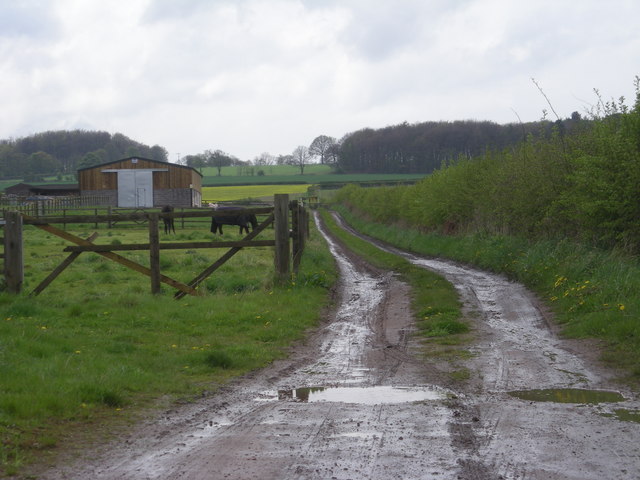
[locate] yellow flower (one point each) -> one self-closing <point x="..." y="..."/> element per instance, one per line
<point x="621" y="306"/>
<point x="77" y="352"/>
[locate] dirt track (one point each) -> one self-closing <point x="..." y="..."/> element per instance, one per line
<point x="380" y="410"/>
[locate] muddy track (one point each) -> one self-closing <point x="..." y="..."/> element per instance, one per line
<point x="359" y="400"/>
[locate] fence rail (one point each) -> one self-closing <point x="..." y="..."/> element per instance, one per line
<point x="285" y="250"/>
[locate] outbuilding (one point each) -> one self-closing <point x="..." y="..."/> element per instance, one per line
<point x="139" y="183"/>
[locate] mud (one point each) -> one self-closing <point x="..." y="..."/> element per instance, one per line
<point x="359" y="400"/>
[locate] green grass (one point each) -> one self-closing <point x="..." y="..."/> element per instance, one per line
<point x="593" y="293"/>
<point x="96" y="348"/>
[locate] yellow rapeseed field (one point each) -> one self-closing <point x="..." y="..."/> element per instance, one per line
<point x="241" y="192"/>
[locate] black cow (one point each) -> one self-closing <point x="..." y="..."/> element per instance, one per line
<point x="168" y="221"/>
<point x="243" y="220"/>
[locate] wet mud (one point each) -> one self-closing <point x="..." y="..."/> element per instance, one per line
<point x="360" y="400"/>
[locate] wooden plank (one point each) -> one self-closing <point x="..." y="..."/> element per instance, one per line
<point x="281" y="228"/>
<point x="142" y="216"/>
<point x="218" y="263"/>
<point x="13" y="251"/>
<point x="154" y="253"/>
<point x="59" y="269"/>
<point x="114" y="256"/>
<point x="169" y="246"/>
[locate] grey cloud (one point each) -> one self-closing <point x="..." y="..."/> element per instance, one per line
<point x="27" y="18"/>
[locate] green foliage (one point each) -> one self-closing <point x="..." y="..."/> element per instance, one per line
<point x="584" y="186"/>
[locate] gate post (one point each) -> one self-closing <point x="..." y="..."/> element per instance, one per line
<point x="13" y="252"/>
<point x="281" y="228"/>
<point x="154" y="252"/>
<point x="298" y="230"/>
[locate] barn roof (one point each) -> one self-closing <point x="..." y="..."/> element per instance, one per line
<point x="160" y="163"/>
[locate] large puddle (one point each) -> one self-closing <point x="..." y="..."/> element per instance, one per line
<point x="568" y="395"/>
<point x="378" y="395"/>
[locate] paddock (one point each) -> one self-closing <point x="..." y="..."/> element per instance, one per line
<point x="288" y="219"/>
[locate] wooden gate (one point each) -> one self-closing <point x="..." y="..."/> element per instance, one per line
<point x="278" y="215"/>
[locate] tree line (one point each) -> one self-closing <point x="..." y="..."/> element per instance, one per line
<point x="423" y="147"/>
<point x="403" y="148"/>
<point x="63" y="152"/>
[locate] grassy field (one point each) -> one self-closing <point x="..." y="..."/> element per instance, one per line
<point x="250" y="192"/>
<point x="96" y="348"/>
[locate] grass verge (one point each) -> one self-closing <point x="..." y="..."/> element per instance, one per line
<point x="435" y="301"/>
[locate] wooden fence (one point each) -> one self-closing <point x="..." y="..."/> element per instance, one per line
<point x="290" y="233"/>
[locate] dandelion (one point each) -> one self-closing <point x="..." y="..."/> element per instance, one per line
<point x="78" y="352"/>
<point x="43" y="327"/>
<point x="174" y="346"/>
<point x="621" y="306"/>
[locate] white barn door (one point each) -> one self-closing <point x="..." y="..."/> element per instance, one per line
<point x="135" y="188"/>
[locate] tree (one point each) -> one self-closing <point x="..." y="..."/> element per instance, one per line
<point x="321" y="146"/>
<point x="264" y="159"/>
<point x="41" y="163"/>
<point x="196" y="161"/>
<point x="301" y="157"/>
<point x="159" y="153"/>
<point x="218" y="159"/>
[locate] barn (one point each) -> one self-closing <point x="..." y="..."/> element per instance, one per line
<point x="141" y="182"/>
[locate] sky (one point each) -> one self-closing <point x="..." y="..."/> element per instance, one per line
<point x="254" y="76"/>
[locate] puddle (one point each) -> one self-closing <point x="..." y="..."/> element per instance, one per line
<point x="568" y="395"/>
<point x="363" y="395"/>
<point x="625" y="415"/>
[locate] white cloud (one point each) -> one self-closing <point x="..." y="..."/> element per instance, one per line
<point x="267" y="75"/>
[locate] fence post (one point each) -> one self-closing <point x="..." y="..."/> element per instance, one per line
<point x="281" y="228"/>
<point x="154" y="252"/>
<point x="298" y="229"/>
<point x="13" y="252"/>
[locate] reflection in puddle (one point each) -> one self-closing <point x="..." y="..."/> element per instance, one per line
<point x="625" y="415"/>
<point x="363" y="395"/>
<point x="568" y="395"/>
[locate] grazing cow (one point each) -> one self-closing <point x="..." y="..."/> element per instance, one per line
<point x="168" y="221"/>
<point x="242" y="220"/>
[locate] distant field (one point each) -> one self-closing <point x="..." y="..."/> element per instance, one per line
<point x="242" y="192"/>
<point x="274" y="174"/>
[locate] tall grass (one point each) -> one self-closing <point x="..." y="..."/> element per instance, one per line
<point x="97" y="345"/>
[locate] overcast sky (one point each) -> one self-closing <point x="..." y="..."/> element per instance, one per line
<point x="253" y="76"/>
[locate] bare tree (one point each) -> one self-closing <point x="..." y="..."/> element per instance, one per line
<point x="301" y="157"/>
<point x="264" y="159"/>
<point x="321" y="146"/>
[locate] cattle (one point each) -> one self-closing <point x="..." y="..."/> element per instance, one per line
<point x="243" y="220"/>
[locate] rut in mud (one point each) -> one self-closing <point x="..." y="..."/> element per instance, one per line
<point x="359" y="401"/>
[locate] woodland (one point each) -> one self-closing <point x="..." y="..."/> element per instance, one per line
<point x="418" y="148"/>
